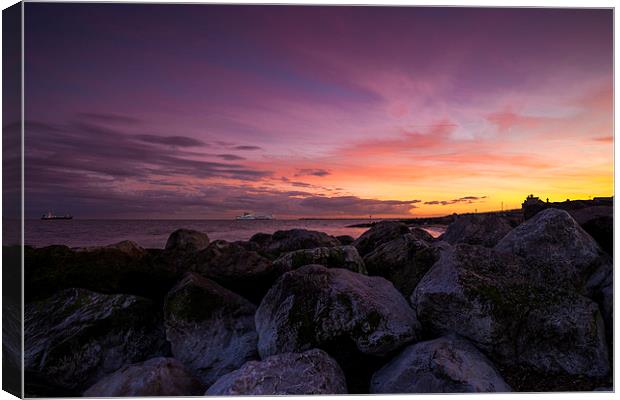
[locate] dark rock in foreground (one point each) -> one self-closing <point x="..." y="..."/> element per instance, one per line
<point x="484" y="230"/>
<point x="492" y="300"/>
<point x="446" y="365"/>
<point x="380" y="233"/>
<point x="155" y="377"/>
<point x="75" y="337"/>
<point x="243" y="271"/>
<point x="345" y="240"/>
<point x="355" y="318"/>
<point x="121" y="268"/>
<point x="211" y="329"/>
<point x="187" y="241"/>
<point x="345" y="257"/>
<point x="403" y="261"/>
<point x="310" y="372"/>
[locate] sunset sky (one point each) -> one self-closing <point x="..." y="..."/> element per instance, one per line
<point x="204" y="111"/>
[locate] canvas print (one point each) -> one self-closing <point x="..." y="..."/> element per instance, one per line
<point x="227" y="200"/>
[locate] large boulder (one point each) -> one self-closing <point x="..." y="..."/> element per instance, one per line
<point x="449" y="364"/>
<point x="379" y="233"/>
<point x="231" y="265"/>
<point x="187" y="241"/>
<point x="485" y="230"/>
<point x="121" y="268"/>
<point x="77" y="336"/>
<point x="345" y="240"/>
<point x="297" y="239"/>
<point x="159" y="376"/>
<point x="355" y="318"/>
<point x="310" y="372"/>
<point x="516" y="318"/>
<point x="600" y="288"/>
<point x="345" y="257"/>
<point x="403" y="261"/>
<point x="210" y="329"/>
<point x="553" y="239"/>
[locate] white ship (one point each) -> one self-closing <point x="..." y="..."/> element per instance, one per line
<point x="249" y="216"/>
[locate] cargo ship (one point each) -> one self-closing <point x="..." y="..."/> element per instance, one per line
<point x="250" y="216"/>
<point x="51" y="215"/>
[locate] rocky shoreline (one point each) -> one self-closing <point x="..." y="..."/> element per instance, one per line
<point x="489" y="306"/>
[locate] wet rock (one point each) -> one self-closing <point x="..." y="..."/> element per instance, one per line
<point x="187" y="241"/>
<point x="403" y="261"/>
<point x="484" y="230"/>
<point x="121" y="268"/>
<point x="381" y="232"/>
<point x="211" y="329"/>
<point x="77" y="336"/>
<point x="232" y="266"/>
<point x="297" y="239"/>
<point x="310" y="372"/>
<point x="514" y="318"/>
<point x="155" y="377"/>
<point x="553" y="239"/>
<point x="449" y="364"/>
<point x="345" y="240"/>
<point x="345" y="257"/>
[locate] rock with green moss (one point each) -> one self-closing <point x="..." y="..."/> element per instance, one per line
<point x="479" y="229"/>
<point x="310" y="372"/>
<point x="554" y="239"/>
<point x="297" y="239"/>
<point x="75" y="337"/>
<point x="314" y="306"/>
<point x="449" y="364"/>
<point x="160" y="376"/>
<point x="210" y="329"/>
<point x="231" y="265"/>
<point x="187" y="241"/>
<point x="403" y="261"/>
<point x="345" y="257"/>
<point x="380" y="233"/>
<point x="517" y="318"/>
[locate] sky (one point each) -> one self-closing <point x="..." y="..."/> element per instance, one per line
<point x="209" y="111"/>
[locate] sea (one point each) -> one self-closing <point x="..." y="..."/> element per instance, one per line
<point x="154" y="233"/>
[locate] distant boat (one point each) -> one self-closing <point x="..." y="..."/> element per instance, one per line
<point x="250" y="216"/>
<point x="50" y="215"/>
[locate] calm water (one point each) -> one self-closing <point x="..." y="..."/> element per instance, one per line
<point x="154" y="233"/>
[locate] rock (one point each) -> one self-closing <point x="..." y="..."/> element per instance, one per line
<point x="516" y="319"/>
<point x="484" y="230"/>
<point x="553" y="239"/>
<point x="449" y="364"/>
<point x="187" y="241"/>
<point x="345" y="257"/>
<point x="602" y="230"/>
<point x="355" y="318"/>
<point x="155" y="377"/>
<point x="310" y="372"/>
<point x="600" y="288"/>
<point x="77" y="336"/>
<point x="240" y="270"/>
<point x="313" y="305"/>
<point x="403" y="261"/>
<point x="261" y="239"/>
<point x="211" y="329"/>
<point x="120" y="268"/>
<point x="421" y="234"/>
<point x="297" y="239"/>
<point x="381" y="232"/>
<point x="345" y="240"/>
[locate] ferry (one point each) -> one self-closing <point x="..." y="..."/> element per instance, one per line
<point x="250" y="216"/>
<point x="50" y="215"/>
